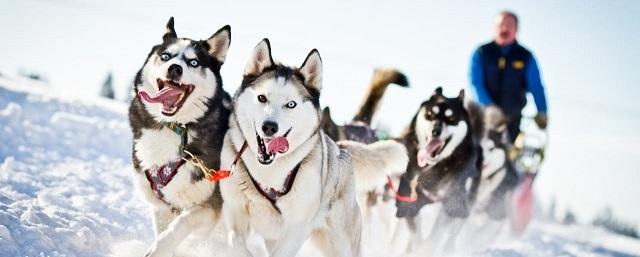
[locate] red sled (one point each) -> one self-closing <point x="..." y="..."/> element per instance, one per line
<point x="522" y="205"/>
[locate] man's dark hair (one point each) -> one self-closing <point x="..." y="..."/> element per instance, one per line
<point x="512" y="14"/>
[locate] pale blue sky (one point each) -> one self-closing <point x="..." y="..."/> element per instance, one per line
<point x="587" y="52"/>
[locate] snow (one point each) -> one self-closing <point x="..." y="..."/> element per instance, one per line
<point x="65" y="190"/>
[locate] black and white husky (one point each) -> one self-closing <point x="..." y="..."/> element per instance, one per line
<point x="498" y="180"/>
<point x="444" y="155"/>
<point x="499" y="176"/>
<point x="293" y="182"/>
<point x="179" y="108"/>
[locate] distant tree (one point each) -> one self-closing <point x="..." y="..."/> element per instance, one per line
<point x="107" y="87"/>
<point x="31" y="75"/>
<point x="552" y="209"/>
<point x="607" y="220"/>
<point x="569" y="217"/>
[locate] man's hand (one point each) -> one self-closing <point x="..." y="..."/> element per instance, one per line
<point x="541" y="120"/>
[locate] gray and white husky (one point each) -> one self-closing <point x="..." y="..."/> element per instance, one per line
<point x="180" y="107"/>
<point x="293" y="182"/>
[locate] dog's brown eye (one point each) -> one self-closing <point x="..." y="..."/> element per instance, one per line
<point x="262" y="99"/>
<point x="429" y="115"/>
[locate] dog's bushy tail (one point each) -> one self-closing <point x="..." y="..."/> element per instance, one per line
<point x="382" y="77"/>
<point x="476" y="118"/>
<point x="372" y="163"/>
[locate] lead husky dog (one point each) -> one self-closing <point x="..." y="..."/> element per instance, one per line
<point x="444" y="154"/>
<point x="293" y="182"/>
<point x="180" y="107"/>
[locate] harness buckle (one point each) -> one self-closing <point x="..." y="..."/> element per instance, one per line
<point x="210" y="174"/>
<point x="197" y="162"/>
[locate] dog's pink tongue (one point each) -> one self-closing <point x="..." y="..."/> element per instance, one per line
<point x="425" y="153"/>
<point x="279" y="145"/>
<point x="434" y="145"/>
<point x="160" y="96"/>
<point x="422" y="157"/>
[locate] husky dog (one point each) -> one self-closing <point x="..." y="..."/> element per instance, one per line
<point x="180" y="107"/>
<point x="443" y="155"/>
<point x="498" y="180"/>
<point x="499" y="176"/>
<point x="293" y="182"/>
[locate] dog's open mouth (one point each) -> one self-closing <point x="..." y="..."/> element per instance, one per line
<point x="172" y="96"/>
<point x="430" y="154"/>
<point x="269" y="147"/>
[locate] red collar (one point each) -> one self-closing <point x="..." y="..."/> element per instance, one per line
<point x="272" y="194"/>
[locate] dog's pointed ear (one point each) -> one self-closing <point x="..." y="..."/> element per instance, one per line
<point x="326" y="113"/>
<point x="219" y="43"/>
<point x="260" y="58"/>
<point x="437" y="92"/>
<point x="461" y="95"/>
<point x="170" y="32"/>
<point x="311" y="70"/>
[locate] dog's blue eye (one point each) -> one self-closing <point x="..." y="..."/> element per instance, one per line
<point x="194" y="63"/>
<point x="291" y="105"/>
<point x="165" y="56"/>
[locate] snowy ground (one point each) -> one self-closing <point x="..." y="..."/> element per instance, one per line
<point x="65" y="189"/>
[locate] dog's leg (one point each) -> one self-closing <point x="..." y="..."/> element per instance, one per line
<point x="455" y="228"/>
<point x="162" y="217"/>
<point x="291" y="240"/>
<point x="238" y="224"/>
<point x="401" y="236"/>
<point x="438" y="232"/>
<point x="270" y="244"/>
<point x="415" y="224"/>
<point x="333" y="242"/>
<point x="167" y="241"/>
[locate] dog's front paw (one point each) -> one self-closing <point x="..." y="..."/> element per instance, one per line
<point x="149" y="253"/>
<point x="155" y="252"/>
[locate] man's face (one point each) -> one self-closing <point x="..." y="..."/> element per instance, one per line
<point x="505" y="29"/>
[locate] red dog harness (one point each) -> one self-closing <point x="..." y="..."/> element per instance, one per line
<point x="271" y="193"/>
<point x="161" y="176"/>
<point x="408" y="199"/>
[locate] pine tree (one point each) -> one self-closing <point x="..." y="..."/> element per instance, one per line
<point x="552" y="209"/>
<point x="609" y="221"/>
<point x="107" y="87"/>
<point x="569" y="217"/>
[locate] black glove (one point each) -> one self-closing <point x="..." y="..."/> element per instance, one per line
<point x="541" y="120"/>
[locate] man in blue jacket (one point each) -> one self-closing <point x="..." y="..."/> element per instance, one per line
<point x="503" y="71"/>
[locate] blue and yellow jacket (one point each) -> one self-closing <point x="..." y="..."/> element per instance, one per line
<point x="503" y="76"/>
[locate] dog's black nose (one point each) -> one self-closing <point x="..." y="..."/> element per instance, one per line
<point x="437" y="130"/>
<point x="269" y="128"/>
<point x="174" y="72"/>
